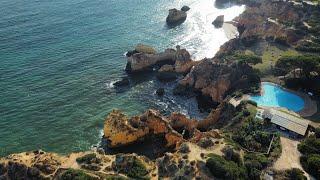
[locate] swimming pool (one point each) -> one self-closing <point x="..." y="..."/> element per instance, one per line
<point x="275" y="96"/>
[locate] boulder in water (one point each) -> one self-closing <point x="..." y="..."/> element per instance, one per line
<point x="123" y="82"/>
<point x="140" y="62"/>
<point x="218" y="22"/>
<point x="185" y="8"/>
<point x="176" y="17"/>
<point x="160" y="91"/>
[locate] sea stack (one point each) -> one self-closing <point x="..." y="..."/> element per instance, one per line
<point x="218" y="22"/>
<point x="176" y="17"/>
<point x="185" y="8"/>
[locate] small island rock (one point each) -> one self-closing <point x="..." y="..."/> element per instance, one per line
<point x="185" y="8"/>
<point x="176" y="17"/>
<point x="160" y="91"/>
<point x="218" y="22"/>
<point x="123" y="82"/>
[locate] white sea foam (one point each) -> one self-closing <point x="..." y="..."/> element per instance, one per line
<point x="110" y="84"/>
<point x="202" y="39"/>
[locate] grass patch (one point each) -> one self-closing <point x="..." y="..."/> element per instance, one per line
<point x="270" y="55"/>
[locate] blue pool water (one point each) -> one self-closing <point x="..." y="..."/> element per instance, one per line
<point x="275" y="96"/>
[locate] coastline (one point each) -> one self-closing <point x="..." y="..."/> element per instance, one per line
<point x="181" y="147"/>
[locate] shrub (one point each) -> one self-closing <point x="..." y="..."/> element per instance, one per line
<point x="246" y="112"/>
<point x="309" y="146"/>
<point x="237" y="94"/>
<point x="295" y="174"/>
<point x="114" y="177"/>
<point x="74" y="174"/>
<point x="138" y="170"/>
<point x="224" y="169"/>
<point x="253" y="168"/>
<point x="248" y="58"/>
<point x="281" y="40"/>
<point x="259" y="160"/>
<point x="86" y="158"/>
<point x="252" y="103"/>
<point x="311" y="163"/>
<point x="317" y="132"/>
<point x="231" y="155"/>
<point x="131" y="166"/>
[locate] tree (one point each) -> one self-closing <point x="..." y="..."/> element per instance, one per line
<point x="221" y="168"/>
<point x="313" y="163"/>
<point x="251" y="59"/>
<point x="307" y="64"/>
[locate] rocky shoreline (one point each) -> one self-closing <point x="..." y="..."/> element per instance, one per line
<point x="179" y="147"/>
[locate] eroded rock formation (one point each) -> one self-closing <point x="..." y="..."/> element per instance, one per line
<point x="218" y="22"/>
<point x="272" y="20"/>
<point x="138" y="62"/>
<point x="83" y="165"/>
<point x="172" y="61"/>
<point x="176" y="17"/>
<point x="121" y="131"/>
<point x="215" y="79"/>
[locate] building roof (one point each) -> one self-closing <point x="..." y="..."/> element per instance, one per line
<point x="289" y="121"/>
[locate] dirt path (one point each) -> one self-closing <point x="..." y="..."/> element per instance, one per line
<point x="290" y="156"/>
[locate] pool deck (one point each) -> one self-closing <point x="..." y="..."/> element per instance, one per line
<point x="310" y="106"/>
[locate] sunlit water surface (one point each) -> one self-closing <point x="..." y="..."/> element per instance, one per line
<point x="58" y="60"/>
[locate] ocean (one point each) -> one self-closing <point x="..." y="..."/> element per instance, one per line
<point x="59" y="59"/>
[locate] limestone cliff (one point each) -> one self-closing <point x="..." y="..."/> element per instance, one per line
<point x="121" y="131"/>
<point x="178" y="60"/>
<point x="215" y="78"/>
<point x="84" y="165"/>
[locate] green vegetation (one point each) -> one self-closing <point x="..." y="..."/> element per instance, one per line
<point x="290" y="174"/>
<point x="309" y="47"/>
<point x="295" y="174"/>
<point x="75" y="174"/>
<point x="253" y="103"/>
<point x="233" y="166"/>
<point x="270" y="55"/>
<point x="237" y="94"/>
<point x="114" y="177"/>
<point x="87" y="159"/>
<point x="224" y="169"/>
<point x="310" y="148"/>
<point x="131" y="166"/>
<point x="138" y="170"/>
<point x="304" y="70"/>
<point x="251" y="59"/>
<point x="307" y="63"/>
<point x="255" y="163"/>
<point x="253" y="137"/>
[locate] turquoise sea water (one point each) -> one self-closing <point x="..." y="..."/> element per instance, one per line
<point x="58" y="60"/>
<point x="275" y="96"/>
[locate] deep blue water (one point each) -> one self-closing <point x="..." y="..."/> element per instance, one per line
<point x="275" y="96"/>
<point x="58" y="60"/>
